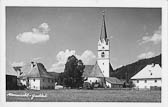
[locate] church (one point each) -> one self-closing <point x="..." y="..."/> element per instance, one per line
<point x="100" y="72"/>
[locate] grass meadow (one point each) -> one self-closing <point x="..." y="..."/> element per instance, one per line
<point x="96" y="95"/>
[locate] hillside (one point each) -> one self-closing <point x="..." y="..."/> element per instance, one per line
<point x="126" y="72"/>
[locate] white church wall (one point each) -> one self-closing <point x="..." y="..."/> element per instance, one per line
<point x="104" y="66"/>
<point x="103" y="45"/>
<point x="106" y="55"/>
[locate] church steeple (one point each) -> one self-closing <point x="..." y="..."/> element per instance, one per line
<point x="103" y="59"/>
<point x="103" y="35"/>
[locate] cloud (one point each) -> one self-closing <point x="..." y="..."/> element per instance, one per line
<point x="146" y="55"/>
<point x="14" y="64"/>
<point x="37" y="35"/>
<point x="155" y="38"/>
<point x="87" y="57"/>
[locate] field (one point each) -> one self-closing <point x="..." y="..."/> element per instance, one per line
<point x="72" y="95"/>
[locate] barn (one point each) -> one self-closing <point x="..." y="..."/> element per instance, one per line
<point x="11" y="78"/>
<point x="148" y="78"/>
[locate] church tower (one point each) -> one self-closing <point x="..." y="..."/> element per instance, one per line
<point x="104" y="50"/>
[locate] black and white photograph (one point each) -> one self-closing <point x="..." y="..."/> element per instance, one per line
<point x="83" y="54"/>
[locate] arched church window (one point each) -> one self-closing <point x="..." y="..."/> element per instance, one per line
<point x="102" y="54"/>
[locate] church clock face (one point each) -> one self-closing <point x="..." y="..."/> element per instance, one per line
<point x="102" y="55"/>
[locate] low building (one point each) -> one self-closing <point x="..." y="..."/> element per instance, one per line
<point x="148" y="78"/>
<point x="11" y="78"/>
<point x="36" y="77"/>
<point x="113" y="82"/>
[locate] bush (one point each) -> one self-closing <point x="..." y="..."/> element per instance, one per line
<point x="87" y="85"/>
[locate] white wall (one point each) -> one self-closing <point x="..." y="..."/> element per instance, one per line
<point x="23" y="81"/>
<point x="103" y="44"/>
<point x="104" y="66"/>
<point x="150" y="82"/>
<point x="108" y="84"/>
<point x="93" y="79"/>
<point x="34" y="83"/>
<point x="103" y="62"/>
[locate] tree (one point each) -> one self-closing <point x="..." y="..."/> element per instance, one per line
<point x="72" y="76"/>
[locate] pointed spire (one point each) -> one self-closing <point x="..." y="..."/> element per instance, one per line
<point x="103" y="34"/>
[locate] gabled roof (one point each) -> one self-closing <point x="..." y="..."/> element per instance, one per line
<point x="96" y="71"/>
<point x="35" y="70"/>
<point x="149" y="72"/>
<point x="54" y="74"/>
<point x="10" y="70"/>
<point x="114" y="80"/>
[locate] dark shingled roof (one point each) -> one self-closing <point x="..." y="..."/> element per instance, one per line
<point x="54" y="74"/>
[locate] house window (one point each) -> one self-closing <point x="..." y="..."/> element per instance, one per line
<point x="155" y="80"/>
<point x="48" y="80"/>
<point x="34" y="79"/>
<point x="145" y="81"/>
<point x="137" y="81"/>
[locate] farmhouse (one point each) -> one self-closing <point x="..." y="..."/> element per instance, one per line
<point x="148" y="78"/>
<point x="36" y="77"/>
<point x="100" y="72"/>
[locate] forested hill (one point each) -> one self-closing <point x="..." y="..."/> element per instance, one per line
<point x="126" y="72"/>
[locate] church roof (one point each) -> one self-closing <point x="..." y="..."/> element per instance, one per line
<point x="87" y="70"/>
<point x="103" y="35"/>
<point x="96" y="71"/>
<point x="149" y="72"/>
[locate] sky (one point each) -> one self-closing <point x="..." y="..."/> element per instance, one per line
<point x="50" y="34"/>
